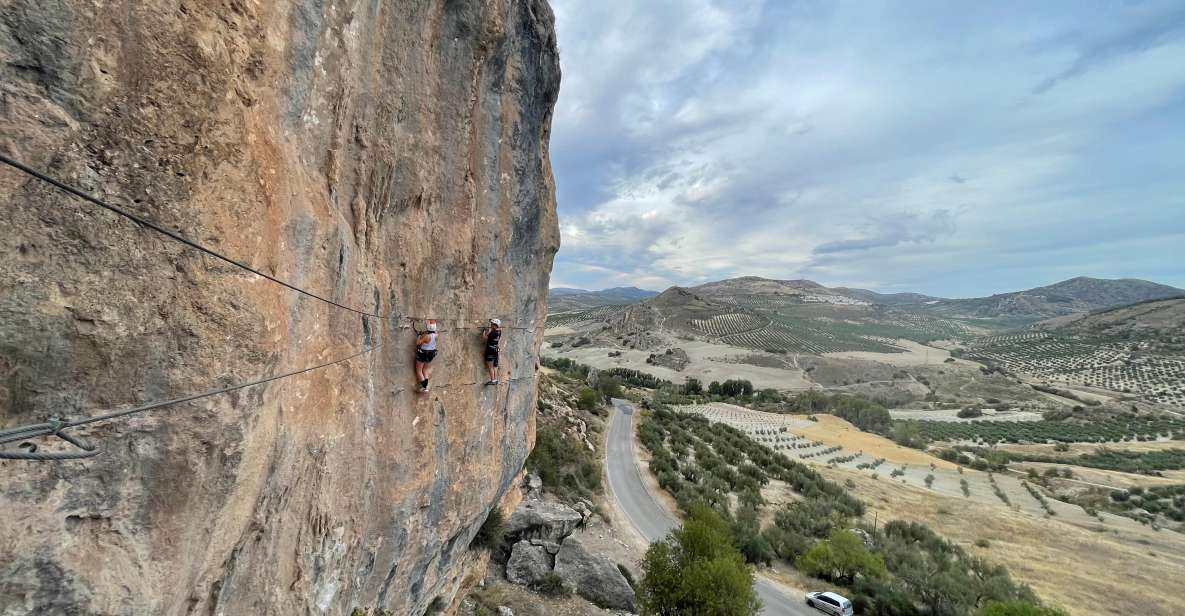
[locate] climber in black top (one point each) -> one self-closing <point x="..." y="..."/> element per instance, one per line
<point x="492" y="335"/>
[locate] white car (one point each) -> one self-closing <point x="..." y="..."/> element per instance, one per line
<point x="830" y="603"/>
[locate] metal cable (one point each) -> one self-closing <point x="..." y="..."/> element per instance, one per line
<point x="175" y="236"/>
<point x="209" y="251"/>
<point x="56" y="426"/>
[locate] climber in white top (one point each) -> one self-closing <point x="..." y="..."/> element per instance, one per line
<point x="425" y="353"/>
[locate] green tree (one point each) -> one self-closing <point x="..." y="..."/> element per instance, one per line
<point x="693" y="387"/>
<point x="608" y="386"/>
<point x="697" y="571"/>
<point x="841" y="558"/>
<point x="909" y="434"/>
<point x="589" y="399"/>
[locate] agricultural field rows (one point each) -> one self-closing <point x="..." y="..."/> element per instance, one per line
<point x="728" y="324"/>
<point x="1158" y="379"/>
<point x="774" y="431"/>
<point x="1110" y="366"/>
<point x="583" y="317"/>
<point x="1114" y="430"/>
<point x="1003" y="339"/>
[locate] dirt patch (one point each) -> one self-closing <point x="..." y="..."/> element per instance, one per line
<point x="1109" y="479"/>
<point x="706" y="361"/>
<point x="835" y="431"/>
<point x="1080" y="448"/>
<point x="914" y="354"/>
<point x="1084" y="571"/>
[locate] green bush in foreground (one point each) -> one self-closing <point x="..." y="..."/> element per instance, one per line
<point x="697" y="570"/>
<point x="841" y="558"/>
<point x="566" y="468"/>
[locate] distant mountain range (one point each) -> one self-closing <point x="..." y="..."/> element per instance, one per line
<point x="564" y="299"/>
<point x="1077" y="295"/>
<point x="1071" y="296"/>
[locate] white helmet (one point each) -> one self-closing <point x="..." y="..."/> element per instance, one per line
<point x="431" y="326"/>
<point x="496" y="322"/>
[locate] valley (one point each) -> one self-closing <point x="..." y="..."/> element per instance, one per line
<point x="1024" y="437"/>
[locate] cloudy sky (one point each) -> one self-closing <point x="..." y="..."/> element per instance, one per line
<point x="950" y="148"/>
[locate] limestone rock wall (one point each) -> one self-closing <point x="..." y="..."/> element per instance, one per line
<point x="389" y="155"/>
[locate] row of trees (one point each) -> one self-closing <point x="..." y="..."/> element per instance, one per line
<point x="901" y="568"/>
<point x="860" y="411"/>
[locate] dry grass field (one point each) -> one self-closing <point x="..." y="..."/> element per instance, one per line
<point x="1084" y="571"/>
<point x="835" y="431"/>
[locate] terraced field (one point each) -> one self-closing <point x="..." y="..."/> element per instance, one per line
<point x="579" y="318"/>
<point x="728" y="324"/>
<point x="1158" y="379"/>
<point x="1113" y="430"/>
<point x="1080" y="361"/>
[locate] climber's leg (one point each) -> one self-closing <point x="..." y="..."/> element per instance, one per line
<point x="492" y="366"/>
<point x="424" y="367"/>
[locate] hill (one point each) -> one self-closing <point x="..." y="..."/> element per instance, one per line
<point x="564" y="299"/>
<point x="1076" y="295"/>
<point x="1156" y="323"/>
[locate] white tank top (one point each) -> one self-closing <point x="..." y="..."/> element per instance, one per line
<point x="431" y="344"/>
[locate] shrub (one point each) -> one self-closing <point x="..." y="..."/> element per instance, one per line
<point x="490" y="534"/>
<point x="696" y="569"/>
<point x="841" y="558"/>
<point x="969" y="412"/>
<point x="566" y="468"/>
<point x="588" y="399"/>
<point x="551" y="585"/>
<point x="983" y="543"/>
<point x="629" y="577"/>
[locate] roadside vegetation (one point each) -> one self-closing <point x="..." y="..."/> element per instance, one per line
<point x="569" y="421"/>
<point x="697" y="569"/>
<point x="898" y="568"/>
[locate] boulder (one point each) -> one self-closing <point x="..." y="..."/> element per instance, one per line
<point x="552" y="547"/>
<point x="528" y="563"/>
<point x="505" y="611"/>
<point x="533" y="484"/>
<point x="540" y="520"/>
<point x="593" y="577"/>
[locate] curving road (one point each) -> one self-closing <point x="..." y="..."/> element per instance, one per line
<point x="653" y="521"/>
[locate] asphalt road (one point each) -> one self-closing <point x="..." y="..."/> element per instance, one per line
<point x="654" y="521"/>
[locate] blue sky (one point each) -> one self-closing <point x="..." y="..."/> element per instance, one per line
<point x="950" y="148"/>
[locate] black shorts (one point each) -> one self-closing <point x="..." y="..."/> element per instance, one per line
<point x="425" y="357"/>
<point x="492" y="357"/>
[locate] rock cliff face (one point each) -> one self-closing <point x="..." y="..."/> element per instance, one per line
<point x="390" y="156"/>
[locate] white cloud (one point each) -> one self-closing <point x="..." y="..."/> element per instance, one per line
<point x="856" y="142"/>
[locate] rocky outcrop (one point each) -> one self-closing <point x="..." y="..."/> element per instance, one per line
<point x="536" y="519"/>
<point x="528" y="563"/>
<point x="539" y="540"/>
<point x="592" y="577"/>
<point x="391" y="157"/>
<point x="675" y="359"/>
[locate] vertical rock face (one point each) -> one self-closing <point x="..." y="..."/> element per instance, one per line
<point x="391" y="156"/>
